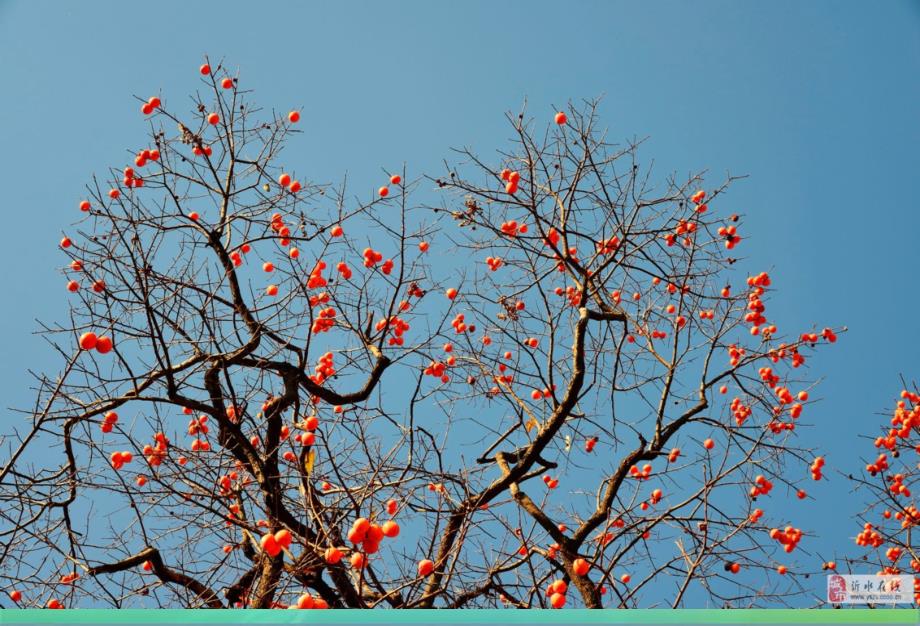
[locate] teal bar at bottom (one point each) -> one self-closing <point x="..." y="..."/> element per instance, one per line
<point x="501" y="617"/>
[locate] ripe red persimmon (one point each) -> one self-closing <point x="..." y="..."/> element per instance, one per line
<point x="205" y="69"/>
<point x="213" y="119"/>
<point x="294" y="117"/>
<point x="390" y="529"/>
<point x="360" y="528"/>
<point x="557" y="586"/>
<point x="425" y="567"/>
<point x="374" y="534"/>
<point x="283" y="538"/>
<point x="333" y="555"/>
<point x="384" y="191"/>
<point x="561" y="118"/>
<point x="270" y="545"/>
<point x="305" y="601"/>
<point x="88" y="341"/>
<point x="103" y="345"/>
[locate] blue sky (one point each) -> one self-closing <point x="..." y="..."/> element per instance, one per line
<point x="817" y="102"/>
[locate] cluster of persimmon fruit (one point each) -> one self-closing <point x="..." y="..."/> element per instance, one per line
<point x="897" y="440"/>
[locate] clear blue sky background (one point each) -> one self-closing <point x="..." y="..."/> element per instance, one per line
<point x="817" y="101"/>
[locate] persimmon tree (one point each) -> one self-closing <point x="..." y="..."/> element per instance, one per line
<point x="542" y="384"/>
<point x="888" y="539"/>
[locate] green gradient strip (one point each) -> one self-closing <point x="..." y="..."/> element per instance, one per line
<point x="481" y="616"/>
